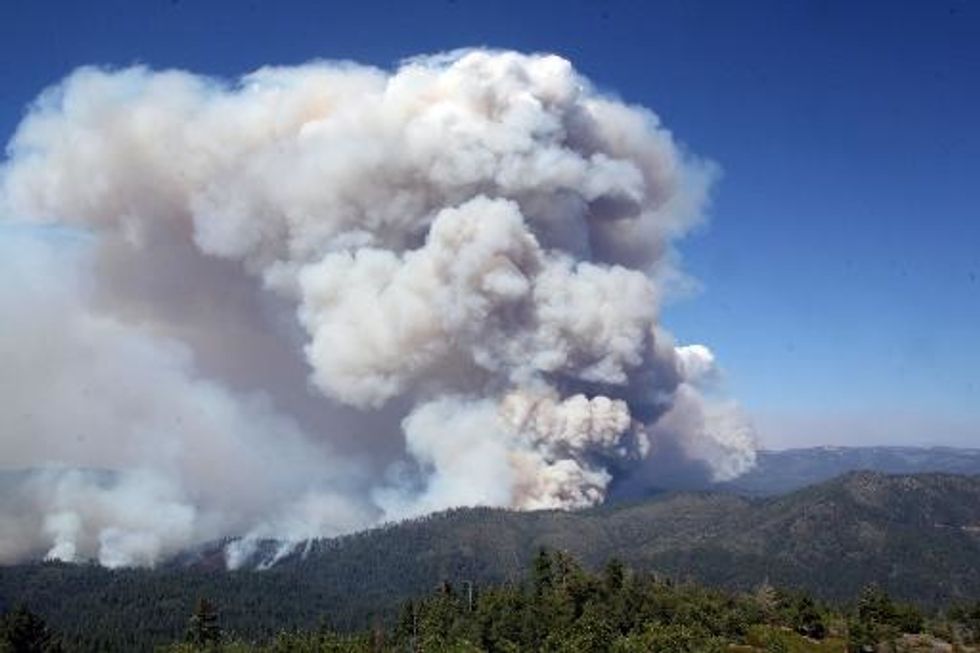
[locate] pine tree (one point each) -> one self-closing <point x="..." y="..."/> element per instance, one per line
<point x="615" y="575"/>
<point x="808" y="619"/>
<point x="203" y="629"/>
<point x="542" y="572"/>
<point x="875" y="606"/>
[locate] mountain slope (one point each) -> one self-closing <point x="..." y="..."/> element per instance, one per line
<point x="918" y="536"/>
<point x="779" y="472"/>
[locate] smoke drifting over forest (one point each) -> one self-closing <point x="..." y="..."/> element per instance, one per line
<point x="321" y="297"/>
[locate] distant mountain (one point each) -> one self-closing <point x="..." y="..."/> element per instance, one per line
<point x="917" y="536"/>
<point x="779" y="472"/>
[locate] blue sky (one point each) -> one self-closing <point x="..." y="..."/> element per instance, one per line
<point x="841" y="270"/>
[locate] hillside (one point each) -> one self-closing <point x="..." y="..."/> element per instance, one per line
<point x="917" y="536"/>
<point x="779" y="472"/>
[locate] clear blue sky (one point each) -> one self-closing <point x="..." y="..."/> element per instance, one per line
<point x="841" y="271"/>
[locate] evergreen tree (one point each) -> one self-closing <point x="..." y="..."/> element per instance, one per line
<point x="542" y="573"/>
<point x="614" y="576"/>
<point x="875" y="606"/>
<point x="808" y="620"/>
<point x="203" y="629"/>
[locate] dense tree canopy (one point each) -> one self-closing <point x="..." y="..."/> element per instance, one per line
<point x="558" y="607"/>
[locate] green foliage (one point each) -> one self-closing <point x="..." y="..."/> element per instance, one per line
<point x="614" y="575"/>
<point x="878" y="618"/>
<point x="203" y="630"/>
<point x="285" y="643"/>
<point x="677" y="638"/>
<point x="966" y="620"/>
<point x="561" y="608"/>
<point x="542" y="575"/>
<point x="22" y="631"/>
<point x="805" y="618"/>
<point x="775" y="639"/>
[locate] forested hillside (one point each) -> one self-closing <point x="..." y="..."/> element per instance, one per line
<point x="560" y="607"/>
<point x="917" y="536"/>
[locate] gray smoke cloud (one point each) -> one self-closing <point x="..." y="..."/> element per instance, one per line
<point x="322" y="297"/>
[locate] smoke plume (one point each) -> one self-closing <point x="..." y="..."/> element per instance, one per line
<point x="321" y="297"/>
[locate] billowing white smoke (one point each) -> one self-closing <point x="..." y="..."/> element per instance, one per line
<point x="329" y="295"/>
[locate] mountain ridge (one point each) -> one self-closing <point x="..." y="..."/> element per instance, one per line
<point x="916" y="536"/>
<point x="862" y="525"/>
<point x="785" y="470"/>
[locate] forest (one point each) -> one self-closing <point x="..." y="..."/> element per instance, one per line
<point x="913" y="536"/>
<point x="560" y="606"/>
